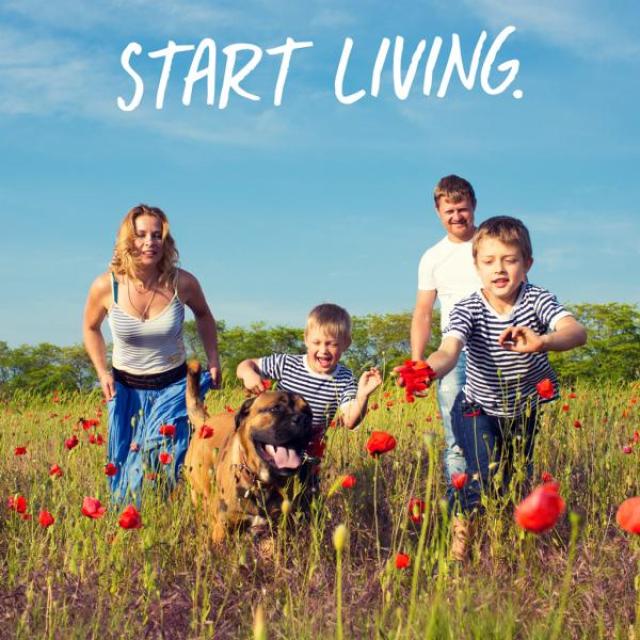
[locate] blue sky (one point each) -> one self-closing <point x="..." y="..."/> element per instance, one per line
<point x="276" y="209"/>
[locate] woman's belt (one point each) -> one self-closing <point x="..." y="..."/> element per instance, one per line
<point x="152" y="380"/>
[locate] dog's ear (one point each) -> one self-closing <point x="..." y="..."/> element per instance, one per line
<point x="243" y="412"/>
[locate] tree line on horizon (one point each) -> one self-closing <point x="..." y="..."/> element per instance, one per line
<point x="612" y="351"/>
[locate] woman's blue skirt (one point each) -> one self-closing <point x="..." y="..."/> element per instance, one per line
<point x="144" y="458"/>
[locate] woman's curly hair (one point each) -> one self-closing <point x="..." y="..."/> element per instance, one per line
<point x="123" y="261"/>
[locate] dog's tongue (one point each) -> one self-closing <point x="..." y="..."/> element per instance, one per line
<point x="283" y="458"/>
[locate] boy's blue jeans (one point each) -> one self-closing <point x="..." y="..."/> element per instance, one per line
<point x="491" y="445"/>
<point x="448" y="389"/>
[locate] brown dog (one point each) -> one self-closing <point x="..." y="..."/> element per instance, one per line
<point x="241" y="472"/>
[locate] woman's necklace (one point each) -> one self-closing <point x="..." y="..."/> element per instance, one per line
<point x="143" y="315"/>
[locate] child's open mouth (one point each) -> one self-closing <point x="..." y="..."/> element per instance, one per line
<point x="501" y="282"/>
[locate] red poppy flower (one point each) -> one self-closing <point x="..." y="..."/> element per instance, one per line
<point x="636" y="436"/>
<point x="348" y="482"/>
<point x="459" y="480"/>
<point x="416" y="508"/>
<point x="87" y="424"/>
<point x="92" y="508"/>
<point x="55" y="471"/>
<point x="20" y="451"/>
<point x="130" y="518"/>
<point x="205" y="431"/>
<point x="572" y="396"/>
<point x="402" y="561"/>
<point x="165" y="458"/>
<point x="545" y="389"/>
<point x="168" y="430"/>
<point x="577" y="424"/>
<point x="565" y="408"/>
<point x="25" y="516"/>
<point x="150" y="476"/>
<point x="389" y="404"/>
<point x="45" y="519"/>
<point x="628" y="515"/>
<point x="540" y="510"/>
<point x="110" y="469"/>
<point x="380" y="442"/>
<point x="229" y="409"/>
<point x="316" y="447"/>
<point x="17" y="503"/>
<point x="627" y="449"/>
<point x="415" y="376"/>
<point x="96" y="438"/>
<point x="546" y="477"/>
<point x="374" y="407"/>
<point x="71" y="442"/>
<point x="266" y="384"/>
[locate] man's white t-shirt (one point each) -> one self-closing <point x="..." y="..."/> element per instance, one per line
<point x="448" y="268"/>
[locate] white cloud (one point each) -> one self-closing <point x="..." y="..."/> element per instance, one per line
<point x="589" y="29"/>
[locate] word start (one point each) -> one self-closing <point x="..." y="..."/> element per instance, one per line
<point x="494" y="77"/>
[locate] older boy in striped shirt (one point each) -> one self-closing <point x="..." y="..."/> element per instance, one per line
<point x="507" y="327"/>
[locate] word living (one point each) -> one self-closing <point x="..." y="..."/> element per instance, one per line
<point x="403" y="82"/>
<point x="204" y="58"/>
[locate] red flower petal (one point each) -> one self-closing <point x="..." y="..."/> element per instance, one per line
<point x="540" y="510"/>
<point x="348" y="482"/>
<point x="628" y="515"/>
<point x="168" y="430"/>
<point x="459" y="480"/>
<point x="205" y="431"/>
<point x="165" y="458"/>
<point x="20" y="451"/>
<point x="110" y="469"/>
<point x="71" y="442"/>
<point x="55" y="471"/>
<point x="92" y="508"/>
<point x="402" y="561"/>
<point x="416" y="508"/>
<point x="380" y="442"/>
<point x="545" y="389"/>
<point x="45" y="519"/>
<point x="17" y="503"/>
<point x="130" y="518"/>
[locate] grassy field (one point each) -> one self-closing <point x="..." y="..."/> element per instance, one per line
<point x="85" y="578"/>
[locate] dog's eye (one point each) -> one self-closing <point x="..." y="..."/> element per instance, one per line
<point x="277" y="409"/>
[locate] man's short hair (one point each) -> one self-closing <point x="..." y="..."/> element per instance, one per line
<point x="331" y="318"/>
<point x="455" y="188"/>
<point x="506" y="229"/>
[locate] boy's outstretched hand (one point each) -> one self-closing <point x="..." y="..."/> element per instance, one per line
<point x="369" y="381"/>
<point x="521" y="340"/>
<point x="253" y="383"/>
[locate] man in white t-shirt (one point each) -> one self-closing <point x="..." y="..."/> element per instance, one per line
<point x="447" y="272"/>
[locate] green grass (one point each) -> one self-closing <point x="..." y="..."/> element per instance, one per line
<point x="84" y="578"/>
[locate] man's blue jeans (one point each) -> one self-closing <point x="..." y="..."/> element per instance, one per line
<point x="491" y="445"/>
<point x="448" y="389"/>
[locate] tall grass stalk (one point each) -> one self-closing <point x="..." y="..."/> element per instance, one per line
<point x="417" y="566"/>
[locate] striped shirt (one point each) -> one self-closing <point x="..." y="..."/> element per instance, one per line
<point x="324" y="392"/>
<point x="504" y="382"/>
<point x="152" y="346"/>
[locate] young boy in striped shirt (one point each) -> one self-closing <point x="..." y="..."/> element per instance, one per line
<point x="507" y="327"/>
<point x="318" y="376"/>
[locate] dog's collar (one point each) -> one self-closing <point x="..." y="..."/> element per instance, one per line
<point x="250" y="476"/>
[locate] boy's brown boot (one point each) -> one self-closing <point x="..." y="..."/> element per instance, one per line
<point x="460" y="538"/>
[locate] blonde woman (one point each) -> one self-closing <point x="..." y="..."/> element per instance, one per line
<point x="143" y="294"/>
